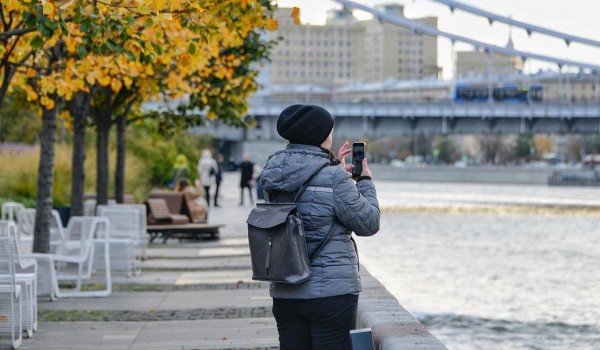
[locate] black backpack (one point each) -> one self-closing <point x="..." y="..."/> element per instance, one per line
<point x="277" y="241"/>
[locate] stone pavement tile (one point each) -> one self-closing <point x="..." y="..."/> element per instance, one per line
<point x="134" y="301"/>
<point x="216" y="299"/>
<point x="227" y="276"/>
<point x="224" y="251"/>
<point x="150" y="277"/>
<point x="180" y="252"/>
<point x="84" y="336"/>
<point x="146" y="301"/>
<point x="205" y="263"/>
<point x="202" y="334"/>
<point x="186" y="252"/>
<point x="208" y="334"/>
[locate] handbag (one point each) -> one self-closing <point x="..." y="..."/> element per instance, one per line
<point x="278" y="244"/>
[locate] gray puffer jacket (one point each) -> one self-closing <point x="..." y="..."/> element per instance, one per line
<point x="331" y="196"/>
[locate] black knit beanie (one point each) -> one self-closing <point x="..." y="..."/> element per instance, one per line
<point x="305" y="124"/>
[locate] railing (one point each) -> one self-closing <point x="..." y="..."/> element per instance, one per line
<point x="572" y="180"/>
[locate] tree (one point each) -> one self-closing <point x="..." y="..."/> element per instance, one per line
<point x="124" y="53"/>
<point x="445" y="150"/>
<point x="15" y="22"/>
<point x="524" y="148"/>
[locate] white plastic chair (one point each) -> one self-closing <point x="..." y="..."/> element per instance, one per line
<point x="76" y="262"/>
<point x="26" y="225"/>
<point x="10" y="210"/>
<point x="25" y="277"/>
<point x="10" y="295"/>
<point x="124" y="237"/>
<point x="143" y="238"/>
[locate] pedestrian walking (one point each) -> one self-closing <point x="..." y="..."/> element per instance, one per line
<point x="207" y="168"/>
<point x="246" y="178"/>
<point x="219" y="176"/>
<point x="320" y="312"/>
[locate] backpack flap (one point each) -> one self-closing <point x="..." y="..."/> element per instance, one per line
<point x="267" y="215"/>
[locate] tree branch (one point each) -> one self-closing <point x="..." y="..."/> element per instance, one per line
<point x="6" y="35"/>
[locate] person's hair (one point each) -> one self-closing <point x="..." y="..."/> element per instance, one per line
<point x="183" y="183"/>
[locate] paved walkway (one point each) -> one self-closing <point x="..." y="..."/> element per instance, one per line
<point x="190" y="295"/>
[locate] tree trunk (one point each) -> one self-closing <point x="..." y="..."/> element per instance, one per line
<point x="80" y="109"/>
<point x="120" y="168"/>
<point x="45" y="181"/>
<point x="103" y="124"/>
<point x="9" y="72"/>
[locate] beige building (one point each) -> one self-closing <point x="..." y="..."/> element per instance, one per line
<point x="345" y="51"/>
<point x="479" y="63"/>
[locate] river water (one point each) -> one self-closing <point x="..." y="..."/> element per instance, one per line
<point x="492" y="266"/>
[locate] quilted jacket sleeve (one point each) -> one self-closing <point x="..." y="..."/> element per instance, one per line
<point x="356" y="205"/>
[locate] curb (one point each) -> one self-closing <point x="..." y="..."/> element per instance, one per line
<point x="393" y="327"/>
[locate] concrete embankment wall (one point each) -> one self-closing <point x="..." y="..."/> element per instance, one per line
<point x="393" y="327"/>
<point x="484" y="174"/>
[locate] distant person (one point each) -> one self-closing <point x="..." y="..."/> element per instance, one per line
<point x="207" y="168"/>
<point x="320" y="312"/>
<point x="198" y="210"/>
<point x="181" y="170"/>
<point x="219" y="176"/>
<point x="256" y="182"/>
<point x="247" y="175"/>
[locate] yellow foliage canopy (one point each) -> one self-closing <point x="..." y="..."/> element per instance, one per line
<point x="150" y="47"/>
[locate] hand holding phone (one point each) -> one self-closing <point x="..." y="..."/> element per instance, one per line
<point x="358" y="154"/>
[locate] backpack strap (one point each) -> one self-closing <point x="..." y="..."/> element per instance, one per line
<point x="306" y="183"/>
<point x="323" y="242"/>
<point x="329" y="234"/>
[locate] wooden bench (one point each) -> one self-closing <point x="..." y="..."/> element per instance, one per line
<point x="183" y="231"/>
<point x="183" y="203"/>
<point x="159" y="213"/>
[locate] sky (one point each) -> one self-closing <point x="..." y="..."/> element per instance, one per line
<point x="576" y="17"/>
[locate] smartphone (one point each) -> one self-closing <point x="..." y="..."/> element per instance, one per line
<point x="358" y="154"/>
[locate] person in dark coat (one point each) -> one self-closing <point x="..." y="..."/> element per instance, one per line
<point x="320" y="312"/>
<point x="246" y="179"/>
<point x="218" y="177"/>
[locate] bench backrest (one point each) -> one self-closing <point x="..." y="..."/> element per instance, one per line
<point x="174" y="200"/>
<point x="158" y="208"/>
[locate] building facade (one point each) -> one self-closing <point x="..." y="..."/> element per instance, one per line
<point x="346" y="51"/>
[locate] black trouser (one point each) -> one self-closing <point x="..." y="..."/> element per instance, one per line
<point x="317" y="324"/>
<point x="249" y="193"/>
<point x="207" y="195"/>
<point x="217" y="193"/>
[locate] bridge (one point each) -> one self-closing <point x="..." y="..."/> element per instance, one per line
<point x="387" y="119"/>
<point x="371" y="117"/>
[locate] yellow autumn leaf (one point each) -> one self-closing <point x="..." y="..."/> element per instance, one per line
<point x="197" y="7"/>
<point x="116" y="85"/>
<point x="272" y="24"/>
<point x="175" y="5"/>
<point x="49" y="10"/>
<point x="185" y="60"/>
<point x="104" y="80"/>
<point x="295" y="12"/>
<point x="211" y="115"/>
<point x="31" y="94"/>
<point x="30" y="73"/>
<point x="127" y="81"/>
<point x="47" y="102"/>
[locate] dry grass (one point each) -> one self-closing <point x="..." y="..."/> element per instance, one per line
<point x="18" y="175"/>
